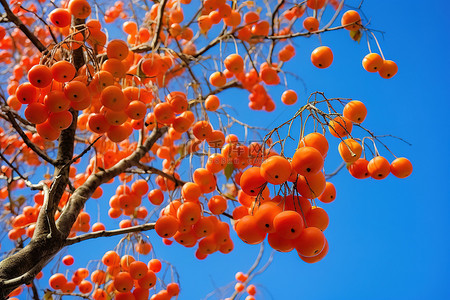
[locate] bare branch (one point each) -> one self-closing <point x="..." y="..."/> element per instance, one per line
<point x="107" y="233"/>
<point x="26" y="140"/>
<point x="159" y="19"/>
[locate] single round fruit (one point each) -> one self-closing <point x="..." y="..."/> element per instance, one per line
<point x="322" y="57"/>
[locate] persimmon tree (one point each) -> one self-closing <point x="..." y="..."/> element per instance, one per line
<point x="90" y="108"/>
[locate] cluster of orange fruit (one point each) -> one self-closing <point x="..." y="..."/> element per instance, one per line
<point x="124" y="278"/>
<point x="186" y="223"/>
<point x="289" y="220"/>
<point x="241" y="284"/>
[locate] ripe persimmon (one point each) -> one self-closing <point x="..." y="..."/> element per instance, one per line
<point x="117" y="49"/>
<point x="97" y="123"/>
<point x="315" y="4"/>
<point x="164" y="113"/>
<point x="310" y="242"/>
<point x="63" y="71"/>
<point x="275" y="169"/>
<point x="130" y="27"/>
<point x="212" y="103"/>
<point x="189" y="213"/>
<point x="388" y="69"/>
<point x="119" y="133"/>
<point x="205" y="180"/>
<point x="311" y="186"/>
<point x="288" y="224"/>
<point x="317" y="217"/>
<point x="318" y="257"/>
<point x="36" y="113"/>
<point x="136" y="110"/>
<point x="137" y="269"/>
<point x="76" y="91"/>
<point x="329" y="194"/>
<point x="265" y="214"/>
<point x="340" y="127"/>
<point x="40" y="76"/>
<point x="202" y="130"/>
<point x="379" y="167"/>
<point x="358" y="169"/>
<point x="322" y="57"/>
<point x="60" y="17"/>
<point x="115" y="67"/>
<point x="351" y="20"/>
<point x="315" y="140"/>
<point x="252" y="181"/>
<point x="279" y="243"/>
<point x="355" y="111"/>
<point x="234" y="63"/>
<point x="311" y="24"/>
<point x="166" y="226"/>
<point x="350" y="150"/>
<point x="79" y="8"/>
<point x="57" y="281"/>
<point x="307" y="161"/>
<point x="26" y="93"/>
<point x="401" y="167"/>
<point x="148" y="281"/>
<point x="47" y="132"/>
<point x="289" y="97"/>
<point x="56" y="101"/>
<point x="217" y="204"/>
<point x="372" y="62"/>
<point x="217" y="79"/>
<point x="123" y="282"/>
<point x="248" y="231"/>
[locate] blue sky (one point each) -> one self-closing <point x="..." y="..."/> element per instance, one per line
<point x="388" y="239"/>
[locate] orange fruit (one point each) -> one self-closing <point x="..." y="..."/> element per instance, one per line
<point x="355" y="111"/>
<point x="350" y="150"/>
<point x="322" y="57"/>
<point x="276" y="169"/>
<point x="79" y="8"/>
<point x="252" y="181"/>
<point x="234" y="63"/>
<point x="329" y="194"/>
<point x="388" y="69"/>
<point x="307" y="161"/>
<point x="401" y="167"/>
<point x="315" y="4"/>
<point x="351" y="20"/>
<point x="288" y="224"/>
<point x="310" y="242"/>
<point x="372" y="62"/>
<point x="358" y="169"/>
<point x="311" y="24"/>
<point x="340" y="127"/>
<point x="311" y="186"/>
<point x="379" y="167"/>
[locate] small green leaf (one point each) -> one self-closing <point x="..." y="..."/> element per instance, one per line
<point x="228" y="170"/>
<point x="356" y="35"/>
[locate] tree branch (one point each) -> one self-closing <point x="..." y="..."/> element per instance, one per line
<point x="13" y="18"/>
<point x="152" y="170"/>
<point x="26" y="140"/>
<point x="159" y="19"/>
<point x="85" y="191"/>
<point x="107" y="233"/>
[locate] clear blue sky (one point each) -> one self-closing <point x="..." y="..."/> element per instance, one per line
<point x="388" y="239"/>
